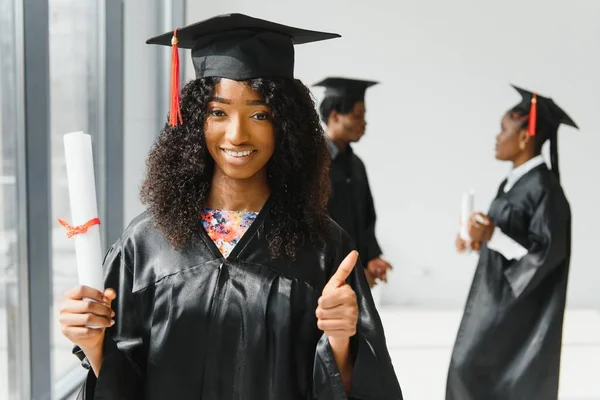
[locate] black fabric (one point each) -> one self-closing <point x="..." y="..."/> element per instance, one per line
<point x="549" y="117"/>
<point x="351" y="203"/>
<point x="240" y="47"/>
<point x="547" y="109"/>
<point x="195" y="325"/>
<point x="509" y="341"/>
<point x="353" y="89"/>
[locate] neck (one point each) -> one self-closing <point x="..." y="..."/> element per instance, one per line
<point x="522" y="159"/>
<point x="340" y="143"/>
<point x="238" y="194"/>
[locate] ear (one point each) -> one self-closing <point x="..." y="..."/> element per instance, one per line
<point x="524" y="135"/>
<point x="334" y="116"/>
<point x="524" y="139"/>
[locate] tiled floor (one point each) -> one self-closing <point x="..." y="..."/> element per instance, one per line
<point x="420" y="343"/>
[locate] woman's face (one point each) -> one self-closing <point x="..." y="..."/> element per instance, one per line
<point x="511" y="140"/>
<point x="239" y="130"/>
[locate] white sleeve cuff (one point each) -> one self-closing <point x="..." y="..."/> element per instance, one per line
<point x="503" y="244"/>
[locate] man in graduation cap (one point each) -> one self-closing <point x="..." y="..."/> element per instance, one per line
<point x="509" y="342"/>
<point x="351" y="203"/>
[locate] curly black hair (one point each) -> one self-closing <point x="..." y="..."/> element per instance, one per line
<point x="180" y="168"/>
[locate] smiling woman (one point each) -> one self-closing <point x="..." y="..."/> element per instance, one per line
<point x="235" y="283"/>
<point x="239" y="131"/>
<point x="206" y="159"/>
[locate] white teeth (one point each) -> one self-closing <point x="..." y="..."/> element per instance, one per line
<point x="238" y="153"/>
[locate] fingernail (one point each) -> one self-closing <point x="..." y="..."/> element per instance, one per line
<point x="112" y="314"/>
<point x="112" y="322"/>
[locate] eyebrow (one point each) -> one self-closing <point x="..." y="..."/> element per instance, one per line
<point x="256" y="103"/>
<point x="227" y="101"/>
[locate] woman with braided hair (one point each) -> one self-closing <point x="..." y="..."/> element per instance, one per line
<point x="508" y="345"/>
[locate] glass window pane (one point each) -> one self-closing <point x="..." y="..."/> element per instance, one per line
<point x="10" y="336"/>
<point x="74" y="99"/>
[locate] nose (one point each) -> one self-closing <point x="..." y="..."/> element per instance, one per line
<point x="236" y="132"/>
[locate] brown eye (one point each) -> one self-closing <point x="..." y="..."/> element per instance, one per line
<point x="261" y="116"/>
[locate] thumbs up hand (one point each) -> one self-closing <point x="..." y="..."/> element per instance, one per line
<point x="337" y="312"/>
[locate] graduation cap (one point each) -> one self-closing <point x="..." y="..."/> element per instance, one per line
<point x="544" y="110"/>
<point x="353" y="89"/>
<point x="237" y="47"/>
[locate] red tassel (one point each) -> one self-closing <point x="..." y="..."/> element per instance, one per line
<point x="175" y="112"/>
<point x="533" y="115"/>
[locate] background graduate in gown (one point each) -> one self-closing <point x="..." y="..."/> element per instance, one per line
<point x="235" y="284"/>
<point x="509" y="341"/>
<point x="351" y="204"/>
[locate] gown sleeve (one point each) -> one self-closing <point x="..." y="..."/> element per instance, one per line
<point x="373" y="375"/>
<point x="505" y="245"/>
<point x="549" y="244"/>
<point x="122" y="370"/>
<point x="372" y="246"/>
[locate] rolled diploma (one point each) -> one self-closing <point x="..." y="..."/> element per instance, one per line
<point x="467" y="207"/>
<point x="84" y="207"/>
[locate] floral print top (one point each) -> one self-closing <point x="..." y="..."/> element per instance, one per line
<point x="226" y="228"/>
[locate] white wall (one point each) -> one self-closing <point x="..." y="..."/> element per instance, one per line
<point x="445" y="69"/>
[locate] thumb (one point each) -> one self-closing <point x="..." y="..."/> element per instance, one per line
<point x="481" y="218"/>
<point x="344" y="270"/>
<point x="110" y="295"/>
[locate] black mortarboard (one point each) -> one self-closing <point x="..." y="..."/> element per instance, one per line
<point x="238" y="47"/>
<point x="544" y="110"/>
<point x="353" y="89"/>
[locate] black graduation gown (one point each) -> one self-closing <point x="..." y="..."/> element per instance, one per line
<point x="194" y="325"/>
<point x="351" y="203"/>
<point x="508" y="345"/>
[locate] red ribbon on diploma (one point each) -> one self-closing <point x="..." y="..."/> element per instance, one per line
<point x="77" y="230"/>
